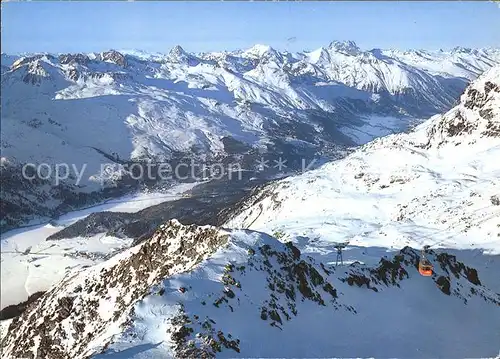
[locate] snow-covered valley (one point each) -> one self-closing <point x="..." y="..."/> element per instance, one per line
<point x="31" y="264"/>
<point x="129" y="107"/>
<point x="264" y="283"/>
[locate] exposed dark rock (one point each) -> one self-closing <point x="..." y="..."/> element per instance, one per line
<point x="81" y="59"/>
<point x="16" y="310"/>
<point x="495" y="200"/>
<point x="114" y="56"/>
<point x="444" y="284"/>
<point x="133" y="278"/>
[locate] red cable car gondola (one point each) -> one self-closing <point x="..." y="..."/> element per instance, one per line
<point x="424" y="265"/>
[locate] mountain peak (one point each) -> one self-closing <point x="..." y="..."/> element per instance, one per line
<point x="259" y="50"/>
<point x="179" y="55"/>
<point x="476" y="116"/>
<point x="115" y="57"/>
<point x="460" y="49"/>
<point x="347" y="47"/>
<point x="177" y="51"/>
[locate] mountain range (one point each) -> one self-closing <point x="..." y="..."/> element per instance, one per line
<point x="130" y="107"/>
<point x="265" y="280"/>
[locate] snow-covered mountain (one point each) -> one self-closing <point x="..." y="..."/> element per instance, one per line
<point x="267" y="285"/>
<point x="438" y="183"/>
<point x="125" y="107"/>
<point x="202" y="292"/>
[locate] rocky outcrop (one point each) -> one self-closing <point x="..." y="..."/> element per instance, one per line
<point x="216" y="274"/>
<point x="114" y="57"/>
<point x="69" y="318"/>
<point x="13" y="311"/>
<point x="29" y="59"/>
<point x="476" y="116"/>
<point x="448" y="275"/>
<point x="70" y="59"/>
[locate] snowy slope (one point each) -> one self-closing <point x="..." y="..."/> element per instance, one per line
<point x="437" y="185"/>
<point x="117" y="107"/>
<point x="200" y="292"/>
<point x="445" y="63"/>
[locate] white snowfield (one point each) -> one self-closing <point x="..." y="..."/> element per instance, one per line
<point x="353" y="322"/>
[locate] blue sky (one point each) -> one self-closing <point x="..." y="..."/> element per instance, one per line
<point x="211" y="26"/>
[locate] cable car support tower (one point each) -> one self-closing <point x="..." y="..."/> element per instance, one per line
<point x="339" y="247"/>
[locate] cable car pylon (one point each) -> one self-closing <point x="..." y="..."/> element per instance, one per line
<point x="339" y="247"/>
